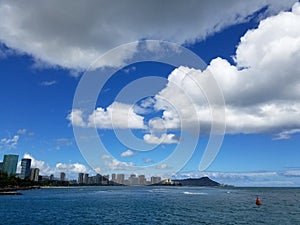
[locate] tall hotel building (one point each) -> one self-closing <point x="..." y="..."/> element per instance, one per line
<point x="10" y="164"/>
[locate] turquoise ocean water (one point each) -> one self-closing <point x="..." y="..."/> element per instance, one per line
<point x="152" y="205"/>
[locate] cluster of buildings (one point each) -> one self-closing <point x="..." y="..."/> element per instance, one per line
<point x="133" y="179"/>
<point x="9" y="166"/>
<point x="10" y="162"/>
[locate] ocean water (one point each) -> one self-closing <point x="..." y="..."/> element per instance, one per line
<point x="152" y="205"/>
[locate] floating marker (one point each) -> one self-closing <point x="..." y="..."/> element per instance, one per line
<point x="258" y="202"/>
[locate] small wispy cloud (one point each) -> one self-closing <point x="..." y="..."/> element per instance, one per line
<point x="287" y="134"/>
<point x="127" y="153"/>
<point x="148" y="160"/>
<point x="22" y="131"/>
<point x="63" y="142"/>
<point x="105" y="156"/>
<point x="9" y="143"/>
<point x="291" y="173"/>
<point x="161" y="166"/>
<point x="25" y="132"/>
<point x="163" y="139"/>
<point x="48" y="83"/>
<point x="130" y="69"/>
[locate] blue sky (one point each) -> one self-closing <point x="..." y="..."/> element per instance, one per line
<point x="250" y="49"/>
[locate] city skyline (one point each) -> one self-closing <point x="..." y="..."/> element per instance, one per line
<point x="10" y="162"/>
<point x="251" y="49"/>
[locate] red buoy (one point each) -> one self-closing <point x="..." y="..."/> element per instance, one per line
<point x="258" y="202"/>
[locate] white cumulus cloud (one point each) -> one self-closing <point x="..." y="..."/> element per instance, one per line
<point x="115" y="164"/>
<point x="261" y="91"/>
<point x="76" y="118"/>
<point x="71" y="168"/>
<point x="44" y="167"/>
<point x="117" y="115"/>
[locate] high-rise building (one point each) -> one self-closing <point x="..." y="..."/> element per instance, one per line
<point x="62" y="176"/>
<point x="1" y="166"/>
<point x="10" y="164"/>
<point x="86" y="178"/>
<point x="34" y="174"/>
<point x="113" y="177"/>
<point x="121" y="178"/>
<point x="25" y="170"/>
<point x="98" y="179"/>
<point x="105" y="179"/>
<point x="142" y="180"/>
<point x="133" y="179"/>
<point x="155" y="180"/>
<point x="80" y="178"/>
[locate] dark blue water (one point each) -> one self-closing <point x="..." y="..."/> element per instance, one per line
<point x="152" y="205"/>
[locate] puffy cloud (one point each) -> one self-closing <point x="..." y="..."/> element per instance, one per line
<point x="117" y="115"/>
<point x="42" y="165"/>
<point x="261" y="91"/>
<point x="71" y="168"/>
<point x="182" y="100"/>
<point x="73" y="35"/>
<point x="163" y="139"/>
<point x="76" y="118"/>
<point x="145" y="107"/>
<point x="115" y="164"/>
<point x="127" y="153"/>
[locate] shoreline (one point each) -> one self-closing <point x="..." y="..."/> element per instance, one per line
<point x="15" y="189"/>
